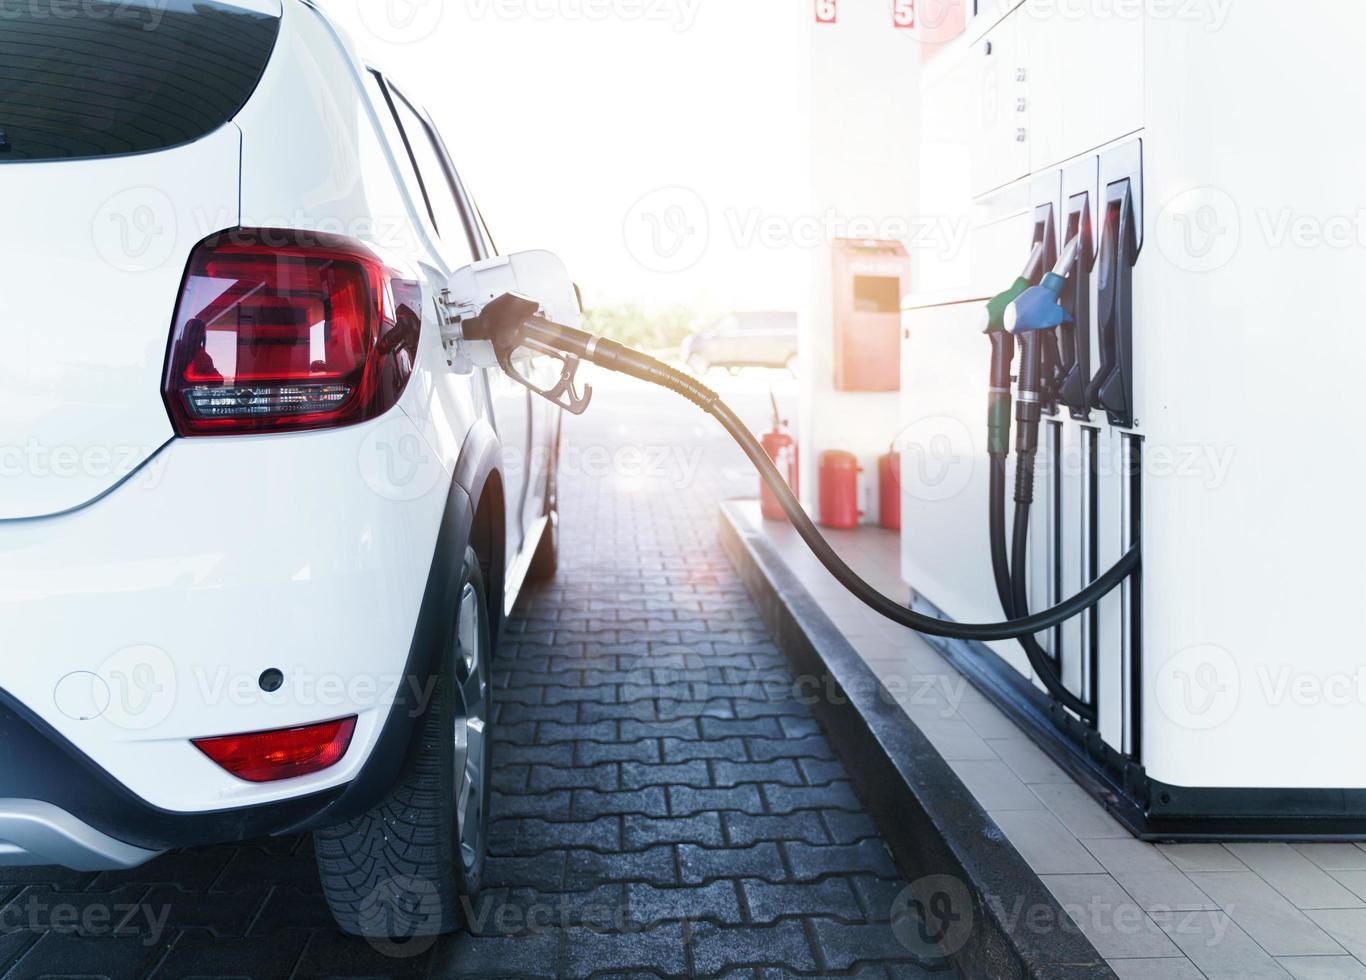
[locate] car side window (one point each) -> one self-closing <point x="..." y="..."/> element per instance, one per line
<point x="484" y="228"/>
<point x="443" y="191"/>
<point x="393" y="135"/>
<point x="479" y="230"/>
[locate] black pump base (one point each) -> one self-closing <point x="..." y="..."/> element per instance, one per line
<point x="1151" y="810"/>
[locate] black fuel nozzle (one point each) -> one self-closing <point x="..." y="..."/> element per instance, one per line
<point x="1032" y="317"/>
<point x="510" y="322"/>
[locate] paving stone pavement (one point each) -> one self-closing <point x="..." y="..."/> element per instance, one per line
<point x="664" y="804"/>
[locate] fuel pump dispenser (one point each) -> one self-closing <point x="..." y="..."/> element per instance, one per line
<point x="512" y="321"/>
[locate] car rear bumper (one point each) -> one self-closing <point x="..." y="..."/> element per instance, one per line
<point x="57" y="806"/>
<point x="146" y="619"/>
<point x="32" y="832"/>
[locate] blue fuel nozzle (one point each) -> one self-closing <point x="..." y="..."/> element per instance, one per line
<point x="1038" y="307"/>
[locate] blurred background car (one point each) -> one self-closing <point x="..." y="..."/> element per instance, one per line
<point x="757" y="339"/>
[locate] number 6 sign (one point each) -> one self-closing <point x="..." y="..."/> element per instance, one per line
<point x="903" y="14"/>
<point x="826" y="11"/>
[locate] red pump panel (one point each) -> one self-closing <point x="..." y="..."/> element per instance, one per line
<point x="871" y="277"/>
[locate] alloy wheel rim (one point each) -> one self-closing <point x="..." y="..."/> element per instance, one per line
<point x="470" y="731"/>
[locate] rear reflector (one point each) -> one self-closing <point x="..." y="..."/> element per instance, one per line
<point x="262" y="757"/>
<point x="281" y="330"/>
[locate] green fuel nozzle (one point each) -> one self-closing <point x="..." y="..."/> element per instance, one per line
<point x="1003" y="355"/>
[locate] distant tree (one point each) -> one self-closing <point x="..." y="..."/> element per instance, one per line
<point x="652" y="330"/>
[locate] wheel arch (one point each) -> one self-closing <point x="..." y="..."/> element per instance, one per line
<point x="474" y="512"/>
<point x="479" y="473"/>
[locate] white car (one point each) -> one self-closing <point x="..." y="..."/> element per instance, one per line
<point x="257" y="535"/>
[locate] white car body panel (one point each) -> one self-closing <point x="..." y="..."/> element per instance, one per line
<point x="88" y="304"/>
<point x="320" y="575"/>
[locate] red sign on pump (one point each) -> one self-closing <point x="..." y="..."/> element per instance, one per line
<point x="827" y="11"/>
<point x="903" y="15"/>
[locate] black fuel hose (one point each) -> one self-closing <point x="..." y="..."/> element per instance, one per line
<point x="1043" y="664"/>
<point x="1000" y="556"/>
<point x="615" y="357"/>
<point x="1019" y="558"/>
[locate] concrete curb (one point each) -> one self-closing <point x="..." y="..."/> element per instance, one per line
<point x="932" y="822"/>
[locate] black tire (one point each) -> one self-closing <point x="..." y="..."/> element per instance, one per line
<point x="408" y="868"/>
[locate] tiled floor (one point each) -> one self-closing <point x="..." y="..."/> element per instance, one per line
<point x="1155" y="912"/>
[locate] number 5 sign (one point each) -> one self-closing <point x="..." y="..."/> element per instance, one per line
<point x="903" y="14"/>
<point x="826" y="11"/>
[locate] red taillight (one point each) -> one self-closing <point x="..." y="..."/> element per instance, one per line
<point x="262" y="757"/>
<point x="281" y="330"/>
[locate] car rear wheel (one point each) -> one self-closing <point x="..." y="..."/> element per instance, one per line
<point x="412" y="866"/>
<point x="698" y="364"/>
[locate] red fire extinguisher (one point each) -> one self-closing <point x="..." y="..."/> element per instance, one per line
<point x="889" y="490"/>
<point x="781" y="447"/>
<point x="839" y="489"/>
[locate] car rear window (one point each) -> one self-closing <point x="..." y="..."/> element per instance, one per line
<point x="97" y="78"/>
